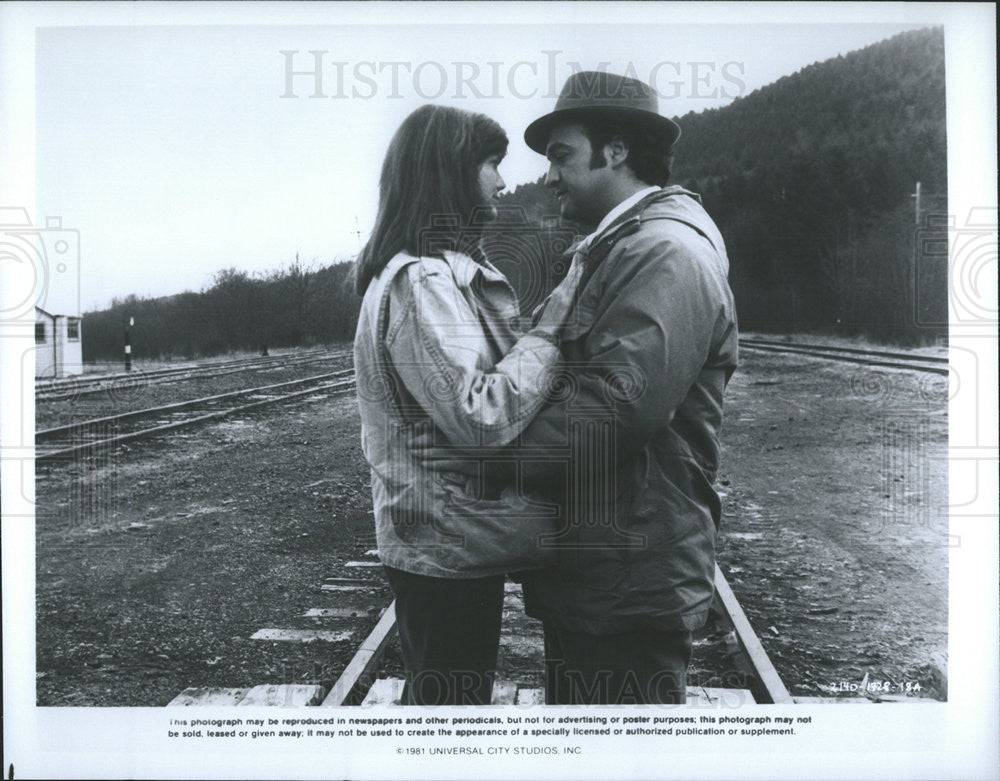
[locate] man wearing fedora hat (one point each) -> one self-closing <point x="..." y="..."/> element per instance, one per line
<point x="649" y="350"/>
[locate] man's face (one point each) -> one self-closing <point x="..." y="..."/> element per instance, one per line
<point x="582" y="191"/>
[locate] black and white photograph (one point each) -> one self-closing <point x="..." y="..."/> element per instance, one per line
<point x="570" y="390"/>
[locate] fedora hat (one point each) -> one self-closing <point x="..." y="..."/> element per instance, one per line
<point x="598" y="93"/>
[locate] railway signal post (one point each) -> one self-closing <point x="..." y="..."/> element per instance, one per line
<point x="128" y="345"/>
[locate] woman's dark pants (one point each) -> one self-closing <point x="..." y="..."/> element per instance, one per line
<point x="449" y="631"/>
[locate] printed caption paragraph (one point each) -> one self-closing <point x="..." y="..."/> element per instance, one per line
<point x="493" y="735"/>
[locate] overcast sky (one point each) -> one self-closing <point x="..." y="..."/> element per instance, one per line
<point x="178" y="151"/>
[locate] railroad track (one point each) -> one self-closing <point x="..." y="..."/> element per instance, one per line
<point x="744" y="658"/>
<point x="78" y="386"/>
<point x="749" y="673"/>
<point x="881" y="358"/>
<point x="78" y="440"/>
<point x="749" y="677"/>
<point x="82" y="386"/>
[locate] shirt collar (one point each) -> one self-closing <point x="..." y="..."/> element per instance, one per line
<point x="616" y="212"/>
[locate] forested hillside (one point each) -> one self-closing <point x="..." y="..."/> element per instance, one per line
<point x="810" y="180"/>
<point x="296" y="305"/>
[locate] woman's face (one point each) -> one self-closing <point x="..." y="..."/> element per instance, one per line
<point x="490" y="182"/>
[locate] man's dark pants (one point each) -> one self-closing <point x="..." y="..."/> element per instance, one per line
<point x="629" y="668"/>
<point x="449" y="631"/>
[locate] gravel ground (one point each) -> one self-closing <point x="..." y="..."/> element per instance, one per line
<point x="835" y="537"/>
<point x="156" y="564"/>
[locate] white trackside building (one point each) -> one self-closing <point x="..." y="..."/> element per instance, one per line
<point x="58" y="345"/>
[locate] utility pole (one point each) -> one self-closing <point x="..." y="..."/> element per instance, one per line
<point x="357" y="230"/>
<point x="916" y="199"/>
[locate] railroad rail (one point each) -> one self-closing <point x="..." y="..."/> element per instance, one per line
<point x="882" y="358"/>
<point x="80" y="386"/>
<point x="359" y="684"/>
<point x="362" y="681"/>
<point x="67" y="443"/>
<point x="53" y="390"/>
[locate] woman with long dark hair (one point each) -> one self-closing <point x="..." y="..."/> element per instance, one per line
<point x="441" y="363"/>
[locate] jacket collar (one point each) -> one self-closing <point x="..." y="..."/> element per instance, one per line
<point x="464" y="268"/>
<point x="626" y="223"/>
<point x="620" y="209"/>
<point x="634" y="214"/>
<point x="630" y="217"/>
